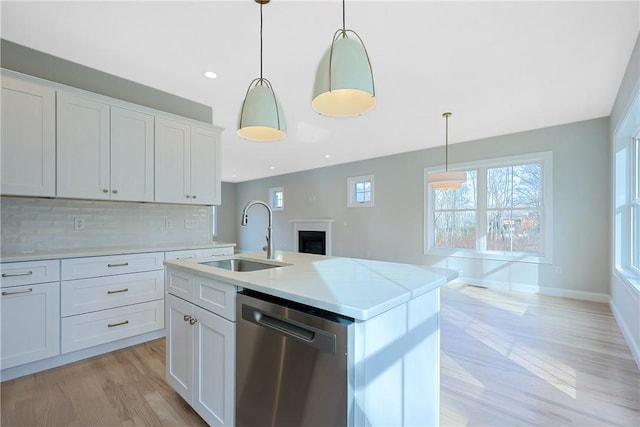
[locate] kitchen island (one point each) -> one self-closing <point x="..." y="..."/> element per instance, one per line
<point x="393" y="337"/>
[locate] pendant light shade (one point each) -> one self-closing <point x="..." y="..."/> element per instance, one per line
<point x="344" y="85"/>
<point x="447" y="180"/>
<point x="261" y="117"/>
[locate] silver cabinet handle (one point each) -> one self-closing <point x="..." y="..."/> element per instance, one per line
<point x="186" y="317"/>
<point x="188" y="196"/>
<point x="17" y="292"/>
<point x="105" y="190"/>
<point x="115" y="191"/>
<point x="194" y="196"/>
<point x="25" y="273"/>
<point x="118" y="291"/>
<point x="124" y="264"/>
<point x="113" y="325"/>
<point x="193" y="321"/>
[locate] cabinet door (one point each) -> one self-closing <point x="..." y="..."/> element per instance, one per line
<point x="28" y="139"/>
<point x="172" y="169"/>
<point x="205" y="166"/>
<point x="179" y="346"/>
<point x="83" y="148"/>
<point x="214" y="368"/>
<point x="132" y="154"/>
<point x="30" y="328"/>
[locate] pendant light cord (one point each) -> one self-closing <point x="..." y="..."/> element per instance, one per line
<point x="344" y="25"/>
<point x="260" y="41"/>
<point x="446" y="142"/>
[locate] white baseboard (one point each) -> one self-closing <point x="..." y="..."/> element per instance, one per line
<point x="521" y="287"/>
<point x="63" y="359"/>
<point x="634" y="345"/>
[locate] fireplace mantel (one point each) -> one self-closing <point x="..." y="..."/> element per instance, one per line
<point x="312" y="225"/>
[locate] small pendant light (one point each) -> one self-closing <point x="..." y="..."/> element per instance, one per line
<point x="344" y="85"/>
<point x="261" y="117"/>
<point x="447" y="180"/>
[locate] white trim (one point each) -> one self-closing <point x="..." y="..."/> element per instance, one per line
<point x="534" y="289"/>
<point x="312" y="225"/>
<point x="351" y="191"/>
<point x="546" y="158"/>
<point x="634" y="346"/>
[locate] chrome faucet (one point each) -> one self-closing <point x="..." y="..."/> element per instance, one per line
<point x="245" y="219"/>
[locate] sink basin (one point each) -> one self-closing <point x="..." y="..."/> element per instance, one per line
<point x="237" y="264"/>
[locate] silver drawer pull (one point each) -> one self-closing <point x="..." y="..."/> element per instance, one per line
<point x="26" y="273"/>
<point x="124" y="264"/>
<point x="118" y="291"/>
<point x="193" y="321"/>
<point x="113" y="325"/>
<point x="17" y="292"/>
<point x="184" y="257"/>
<point x="186" y="317"/>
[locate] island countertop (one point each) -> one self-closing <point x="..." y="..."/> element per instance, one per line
<point x="356" y="288"/>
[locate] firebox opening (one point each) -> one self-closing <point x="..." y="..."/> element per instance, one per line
<point x="312" y="242"/>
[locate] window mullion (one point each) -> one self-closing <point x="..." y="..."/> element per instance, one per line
<point x="481" y="216"/>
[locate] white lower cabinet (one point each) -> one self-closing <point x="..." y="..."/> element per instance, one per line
<point x="200" y="360"/>
<point x="30" y="328"/>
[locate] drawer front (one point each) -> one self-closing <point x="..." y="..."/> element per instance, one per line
<point x="180" y="284"/>
<point x="87" y="330"/>
<point x="99" y="293"/>
<point x="217" y="251"/>
<point x="30" y="324"/>
<point x="217" y="297"/>
<point x="191" y="253"/>
<point x="29" y="272"/>
<point x="82" y="268"/>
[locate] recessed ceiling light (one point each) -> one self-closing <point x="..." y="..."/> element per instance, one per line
<point x="234" y="176"/>
<point x="272" y="167"/>
<point x="210" y="75"/>
<point x="326" y="156"/>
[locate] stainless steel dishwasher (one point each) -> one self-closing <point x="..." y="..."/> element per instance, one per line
<point x="294" y="364"/>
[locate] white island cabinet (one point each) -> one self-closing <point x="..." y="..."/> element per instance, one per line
<point x="394" y="339"/>
<point x="200" y="354"/>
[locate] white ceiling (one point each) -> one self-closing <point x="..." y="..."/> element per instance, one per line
<point x="500" y="67"/>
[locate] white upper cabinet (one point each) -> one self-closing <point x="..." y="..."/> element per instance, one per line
<point x="28" y="139"/>
<point x="104" y="152"/>
<point x="132" y="142"/>
<point x="187" y="160"/>
<point x="83" y="148"/>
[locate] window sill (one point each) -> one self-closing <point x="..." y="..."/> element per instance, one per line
<point x="490" y="256"/>
<point x="632" y="278"/>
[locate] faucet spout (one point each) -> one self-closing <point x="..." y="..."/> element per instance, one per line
<point x="245" y="220"/>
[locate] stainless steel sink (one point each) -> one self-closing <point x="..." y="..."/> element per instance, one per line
<point x="239" y="264"/>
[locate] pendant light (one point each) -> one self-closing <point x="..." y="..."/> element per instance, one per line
<point x="447" y="180"/>
<point x="261" y="118"/>
<point x="344" y="85"/>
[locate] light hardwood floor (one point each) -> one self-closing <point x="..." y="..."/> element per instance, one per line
<point x="507" y="359"/>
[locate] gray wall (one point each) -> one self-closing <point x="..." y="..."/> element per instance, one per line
<point x="393" y="229"/>
<point x="625" y="298"/>
<point x="226" y="216"/>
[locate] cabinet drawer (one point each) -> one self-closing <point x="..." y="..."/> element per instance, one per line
<point x="213" y="295"/>
<point x="29" y="272"/>
<point x="81" y="268"/>
<point x="87" y="330"/>
<point x="190" y="253"/>
<point x="99" y="293"/>
<point x="30" y="323"/>
<point x="217" y="251"/>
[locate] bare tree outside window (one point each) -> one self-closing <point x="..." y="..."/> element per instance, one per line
<point x="454" y="216"/>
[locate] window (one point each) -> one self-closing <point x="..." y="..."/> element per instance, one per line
<point x="360" y="191"/>
<point x="635" y="206"/>
<point x="276" y="198"/>
<point x="502" y="211"/>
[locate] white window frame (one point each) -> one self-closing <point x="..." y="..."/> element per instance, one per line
<point x="214" y="221"/>
<point x="272" y="192"/>
<point x="546" y="158"/>
<point x="626" y="195"/>
<point x="352" y="183"/>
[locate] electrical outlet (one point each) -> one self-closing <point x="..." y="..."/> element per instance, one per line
<point x="168" y="224"/>
<point x="190" y="224"/>
<point x="78" y="223"/>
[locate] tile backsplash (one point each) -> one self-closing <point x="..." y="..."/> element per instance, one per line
<point x="34" y="224"/>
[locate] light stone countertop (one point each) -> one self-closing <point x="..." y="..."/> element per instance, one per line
<point x="87" y="252"/>
<point x="357" y="288"/>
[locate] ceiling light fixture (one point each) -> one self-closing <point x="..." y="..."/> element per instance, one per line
<point x="447" y="180"/>
<point x="210" y="75"/>
<point x="261" y="118"/>
<point x="344" y="85"/>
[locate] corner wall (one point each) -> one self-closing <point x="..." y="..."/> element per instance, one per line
<point x="392" y="230"/>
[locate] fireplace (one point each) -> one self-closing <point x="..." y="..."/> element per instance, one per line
<point x="312" y="236"/>
<point x="312" y="242"/>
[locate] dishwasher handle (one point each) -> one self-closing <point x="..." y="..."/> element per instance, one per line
<point x="322" y="340"/>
